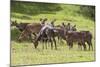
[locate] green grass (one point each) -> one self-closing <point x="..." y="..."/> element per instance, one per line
<point x="24" y="53"/>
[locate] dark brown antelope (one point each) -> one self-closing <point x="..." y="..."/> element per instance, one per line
<point x="30" y="29"/>
<point x="73" y="36"/>
<point x="46" y="34"/>
<point x="88" y="38"/>
<point x="80" y="37"/>
<point x="20" y="26"/>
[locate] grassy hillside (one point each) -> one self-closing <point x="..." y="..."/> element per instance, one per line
<point x="24" y="53"/>
<point x="25" y="10"/>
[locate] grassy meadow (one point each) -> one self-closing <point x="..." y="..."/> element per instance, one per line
<point x="23" y="53"/>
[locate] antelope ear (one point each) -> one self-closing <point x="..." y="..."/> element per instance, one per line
<point x="74" y="25"/>
<point x="41" y="19"/>
<point x="45" y="19"/>
<point x="15" y="21"/>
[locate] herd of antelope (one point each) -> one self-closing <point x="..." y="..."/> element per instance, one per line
<point x="48" y="32"/>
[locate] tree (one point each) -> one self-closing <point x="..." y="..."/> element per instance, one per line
<point x="88" y="11"/>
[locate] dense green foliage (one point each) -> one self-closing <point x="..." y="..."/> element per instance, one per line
<point x="88" y="11"/>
